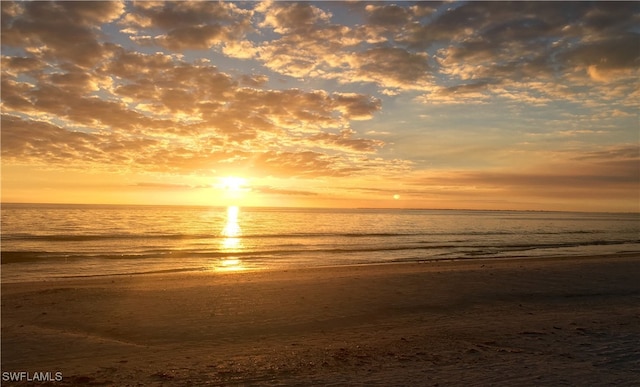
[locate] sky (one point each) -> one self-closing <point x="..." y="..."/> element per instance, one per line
<point x="469" y="105"/>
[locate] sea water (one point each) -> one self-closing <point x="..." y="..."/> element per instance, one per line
<point x="46" y="241"/>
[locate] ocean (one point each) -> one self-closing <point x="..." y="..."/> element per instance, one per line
<point x="49" y="241"/>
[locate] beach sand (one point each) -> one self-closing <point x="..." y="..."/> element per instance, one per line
<point x="561" y="321"/>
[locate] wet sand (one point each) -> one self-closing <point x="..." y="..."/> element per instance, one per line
<point x="551" y="321"/>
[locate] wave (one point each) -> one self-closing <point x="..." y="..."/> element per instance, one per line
<point x="99" y="237"/>
<point x="9" y="257"/>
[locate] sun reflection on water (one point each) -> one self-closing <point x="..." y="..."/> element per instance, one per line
<point x="231" y="230"/>
<point x="229" y="264"/>
<point x="231" y="242"/>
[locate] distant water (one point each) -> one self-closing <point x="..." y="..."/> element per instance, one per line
<point x="52" y="241"/>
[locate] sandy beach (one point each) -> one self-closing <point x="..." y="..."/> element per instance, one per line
<point x="551" y="321"/>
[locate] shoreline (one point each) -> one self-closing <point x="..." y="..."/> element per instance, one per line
<point x="532" y="321"/>
<point x="425" y="261"/>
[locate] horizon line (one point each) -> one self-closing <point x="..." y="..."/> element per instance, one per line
<point x="314" y="208"/>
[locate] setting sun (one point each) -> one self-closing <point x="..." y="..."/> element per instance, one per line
<point x="232" y="191"/>
<point x="233" y="184"/>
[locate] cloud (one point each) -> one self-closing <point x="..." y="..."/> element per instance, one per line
<point x="27" y="139"/>
<point x="512" y="45"/>
<point x="278" y="191"/>
<point x="298" y="164"/>
<point x="168" y="186"/>
<point x="504" y="47"/>
<point x="344" y="140"/>
<point x="579" y="176"/>
<point x="287" y="18"/>
<point x="188" y="105"/>
<point x="38" y="142"/>
<point x="193" y="119"/>
<point x="311" y="45"/>
<point x="628" y="152"/>
<point x="14" y="66"/>
<point x="356" y="106"/>
<point x="45" y="29"/>
<point x="254" y="81"/>
<point x="607" y="58"/>
<point x="538" y="182"/>
<point x="476" y="93"/>
<point x="196" y="25"/>
<point x="391" y="67"/>
<point x="387" y="15"/>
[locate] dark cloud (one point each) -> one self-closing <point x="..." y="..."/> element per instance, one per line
<point x="170" y="15"/>
<point x="14" y="66"/>
<point x="186" y="25"/>
<point x="387" y="15"/>
<point x="606" y="53"/>
<point x="65" y="31"/>
<point x="465" y="88"/>
<point x="503" y="42"/>
<point x="392" y="67"/>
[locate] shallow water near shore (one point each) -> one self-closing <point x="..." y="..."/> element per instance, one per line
<point x="46" y="241"/>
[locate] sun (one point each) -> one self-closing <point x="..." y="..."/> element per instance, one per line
<point x="232" y="191"/>
<point x="233" y="184"/>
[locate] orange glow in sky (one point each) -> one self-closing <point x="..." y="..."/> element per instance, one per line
<point x="475" y="105"/>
